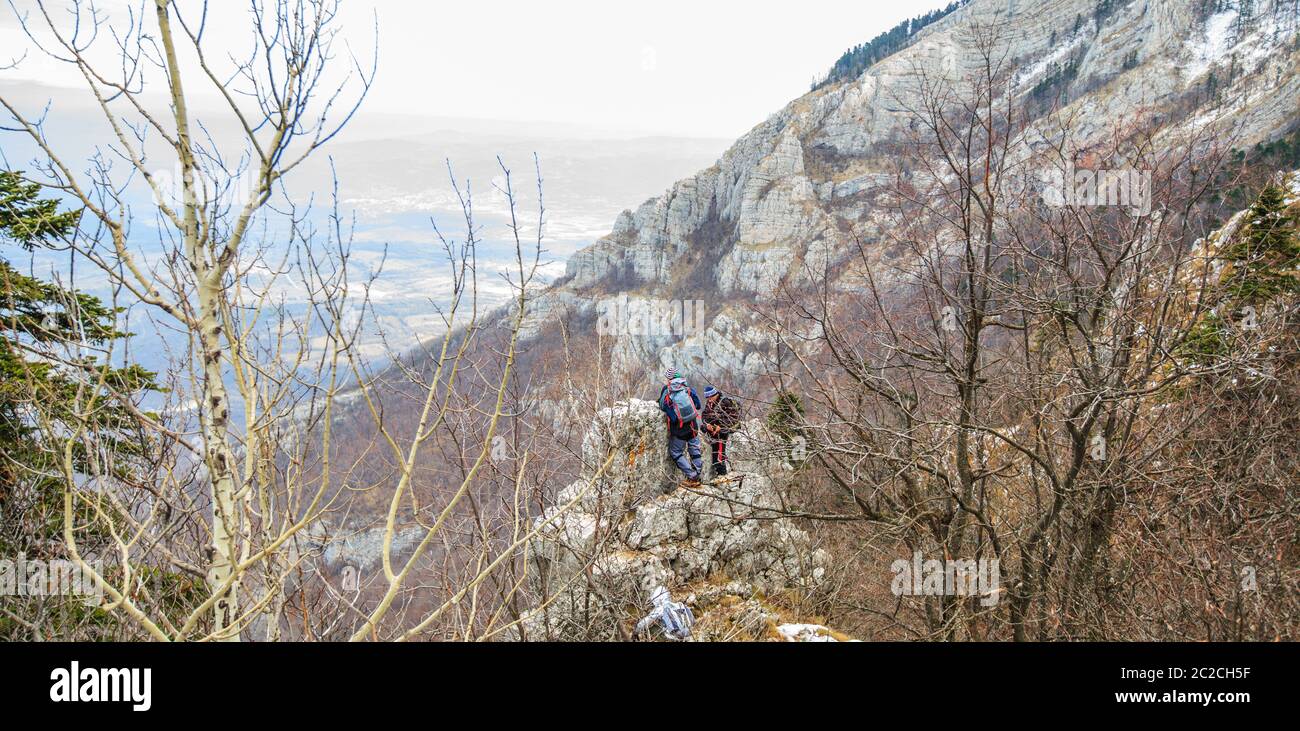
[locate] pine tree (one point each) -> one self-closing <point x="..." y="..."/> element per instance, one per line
<point x="39" y="377"/>
<point x="1266" y="253"/>
<point x="786" y="414"/>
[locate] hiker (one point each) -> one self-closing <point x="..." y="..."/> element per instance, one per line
<point x="674" y="618"/>
<point x="681" y="406"/>
<point x="669" y="375"/>
<point x="721" y="417"/>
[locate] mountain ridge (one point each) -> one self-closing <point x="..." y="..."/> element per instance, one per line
<point x="798" y="186"/>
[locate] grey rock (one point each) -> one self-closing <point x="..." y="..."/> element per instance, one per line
<point x="616" y="533"/>
<point x="782" y="205"/>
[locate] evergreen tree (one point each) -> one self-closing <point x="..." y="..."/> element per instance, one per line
<point x="862" y="56"/>
<point x="786" y="414"/>
<point x="1266" y="253"/>
<point x="40" y="376"/>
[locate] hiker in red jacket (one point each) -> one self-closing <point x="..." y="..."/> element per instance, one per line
<point x="721" y="418"/>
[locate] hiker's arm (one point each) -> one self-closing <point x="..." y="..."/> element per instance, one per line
<point x="722" y="420"/>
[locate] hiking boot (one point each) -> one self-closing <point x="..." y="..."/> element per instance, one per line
<point x="691" y="483"/>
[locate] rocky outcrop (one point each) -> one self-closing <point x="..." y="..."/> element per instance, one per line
<point x="625" y="527"/>
<point x="786" y="202"/>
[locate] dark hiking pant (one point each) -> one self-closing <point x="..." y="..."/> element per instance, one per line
<point x="719" y="457"/>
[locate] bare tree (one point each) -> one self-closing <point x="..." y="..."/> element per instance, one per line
<point x="241" y="478"/>
<point x="1000" y="389"/>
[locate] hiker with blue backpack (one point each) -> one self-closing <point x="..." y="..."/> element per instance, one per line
<point x="682" y="408"/>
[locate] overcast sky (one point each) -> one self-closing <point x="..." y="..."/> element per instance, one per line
<point x="689" y="67"/>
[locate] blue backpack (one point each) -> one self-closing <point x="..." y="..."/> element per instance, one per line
<point x="680" y="404"/>
<point x="677" y="620"/>
<point x="674" y="618"/>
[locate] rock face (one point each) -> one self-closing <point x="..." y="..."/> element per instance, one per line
<point x="791" y="196"/>
<point x="626" y="527"/>
<point x="786" y="206"/>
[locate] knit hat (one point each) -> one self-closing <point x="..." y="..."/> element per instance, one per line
<point x="710" y="392"/>
<point x="671" y="373"/>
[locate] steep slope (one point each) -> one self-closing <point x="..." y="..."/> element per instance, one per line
<point x="799" y="188"/>
<point x="803" y="188"/>
<point x="735" y="554"/>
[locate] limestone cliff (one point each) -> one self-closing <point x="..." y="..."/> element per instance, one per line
<point x="799" y="187"/>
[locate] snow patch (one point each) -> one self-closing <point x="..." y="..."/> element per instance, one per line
<point x="1213" y="46"/>
<point x="1040" y="67"/>
<point x="805" y="633"/>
